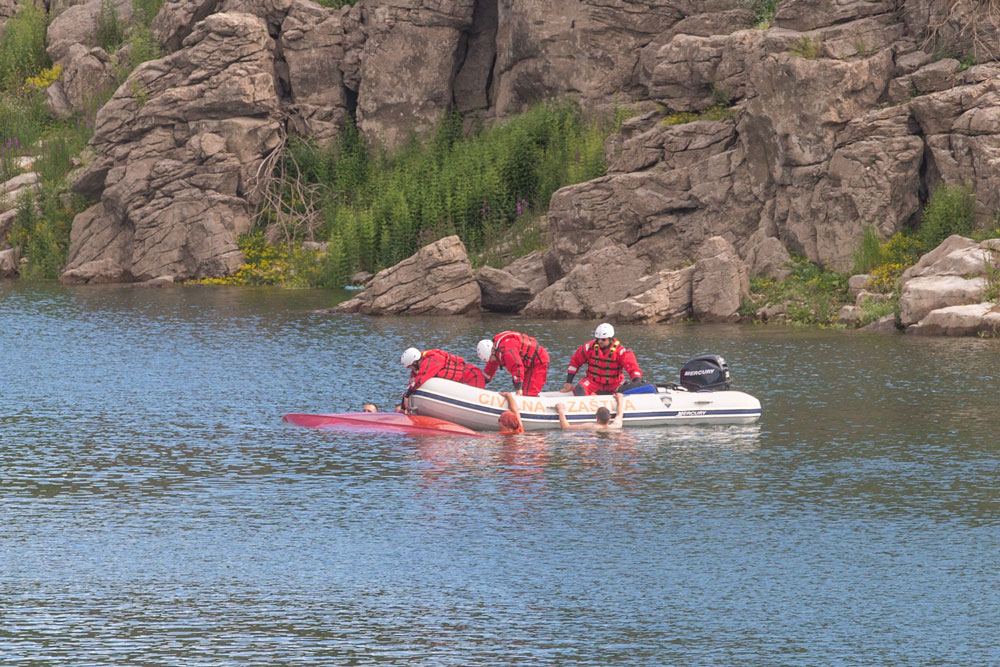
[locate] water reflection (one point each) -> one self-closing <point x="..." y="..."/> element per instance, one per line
<point x="157" y="511"/>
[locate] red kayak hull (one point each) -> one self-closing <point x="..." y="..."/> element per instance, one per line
<point x="381" y="421"/>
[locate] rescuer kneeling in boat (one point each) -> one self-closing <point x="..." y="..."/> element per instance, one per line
<point x="436" y="364"/>
<point x="607" y="363"/>
<point x="522" y="356"/>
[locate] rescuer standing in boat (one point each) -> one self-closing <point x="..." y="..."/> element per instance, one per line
<point x="607" y="360"/>
<point x="522" y="356"/>
<point x="437" y="364"/>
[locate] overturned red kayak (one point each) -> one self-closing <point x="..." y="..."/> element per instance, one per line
<point x="381" y="421"/>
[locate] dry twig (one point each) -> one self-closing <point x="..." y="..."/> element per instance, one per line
<point x="286" y="198"/>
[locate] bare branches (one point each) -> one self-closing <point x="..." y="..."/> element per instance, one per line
<point x="975" y="21"/>
<point x="286" y="199"/>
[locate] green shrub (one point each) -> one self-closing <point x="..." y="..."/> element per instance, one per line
<point x="812" y="295"/>
<point x="886" y="262"/>
<point x="144" y="11"/>
<point x="950" y="210"/>
<point x="22" y="47"/>
<point x="41" y="229"/>
<point x="872" y="310"/>
<point x="144" y="46"/>
<point x="376" y="210"/>
<point x="719" y="111"/>
<point x="868" y="254"/>
<point x="763" y="12"/>
<point x="270" y="265"/>
<point x="808" y="48"/>
<point x="110" y="29"/>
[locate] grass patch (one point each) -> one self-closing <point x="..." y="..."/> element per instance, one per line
<point x="868" y="255"/>
<point x="718" y="111"/>
<point x="873" y="309"/>
<point x="376" y="211"/>
<point x="808" y="48"/>
<point x="886" y="262"/>
<point x="811" y="295"/>
<point x="950" y="210"/>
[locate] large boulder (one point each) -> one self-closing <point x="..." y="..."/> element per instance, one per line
<point x="956" y="273"/>
<point x="177" y="150"/>
<point x="530" y="270"/>
<point x="922" y="295"/>
<point x="662" y="215"/>
<point x="8" y="263"/>
<point x="769" y="258"/>
<point x="502" y="292"/>
<point x="662" y="297"/>
<point x="87" y="75"/>
<point x="602" y="277"/>
<point x="978" y="319"/>
<point x="6" y="224"/>
<point x="77" y="24"/>
<point x="719" y="283"/>
<point x="437" y="280"/>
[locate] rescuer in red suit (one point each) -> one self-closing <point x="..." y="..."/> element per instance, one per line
<point x="522" y="356"/>
<point x="437" y="364"/>
<point x="607" y="361"/>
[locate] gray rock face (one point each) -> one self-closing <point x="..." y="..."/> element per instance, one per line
<point x="177" y="147"/>
<point x="437" y="280"/>
<point x="663" y="215"/>
<point x="6" y="223"/>
<point x="922" y="295"/>
<point x="502" y="292"/>
<point x="530" y="270"/>
<point x="8" y="263"/>
<point x="826" y="133"/>
<point x="956" y="273"/>
<point x="971" y="320"/>
<point x="719" y="284"/>
<point x="662" y="297"/>
<point x="603" y="276"/>
<point x="769" y="258"/>
<point x="586" y="49"/>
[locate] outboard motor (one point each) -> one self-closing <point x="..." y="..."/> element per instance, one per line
<point x="709" y="372"/>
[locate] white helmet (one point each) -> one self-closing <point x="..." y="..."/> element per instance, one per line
<point x="484" y="349"/>
<point x="604" y="330"/>
<point x="410" y="356"/>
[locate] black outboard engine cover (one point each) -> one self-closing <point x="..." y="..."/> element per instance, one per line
<point x="709" y="372"/>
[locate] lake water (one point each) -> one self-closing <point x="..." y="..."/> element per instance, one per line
<point x="156" y="510"/>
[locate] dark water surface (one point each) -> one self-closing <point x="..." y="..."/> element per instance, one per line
<point x="155" y="509"/>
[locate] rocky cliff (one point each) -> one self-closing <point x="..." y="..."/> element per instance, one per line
<point x="841" y="114"/>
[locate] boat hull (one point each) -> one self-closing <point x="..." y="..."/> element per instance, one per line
<point x="479" y="408"/>
<point x="380" y="421"/>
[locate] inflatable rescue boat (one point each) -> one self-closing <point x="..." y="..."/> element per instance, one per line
<point x="703" y="397"/>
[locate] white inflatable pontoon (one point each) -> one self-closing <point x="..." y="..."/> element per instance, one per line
<point x="480" y="408"/>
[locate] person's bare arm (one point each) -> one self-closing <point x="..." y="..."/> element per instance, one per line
<point x="512" y="405"/>
<point x="561" y="410"/>
<point x="619" y="411"/>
